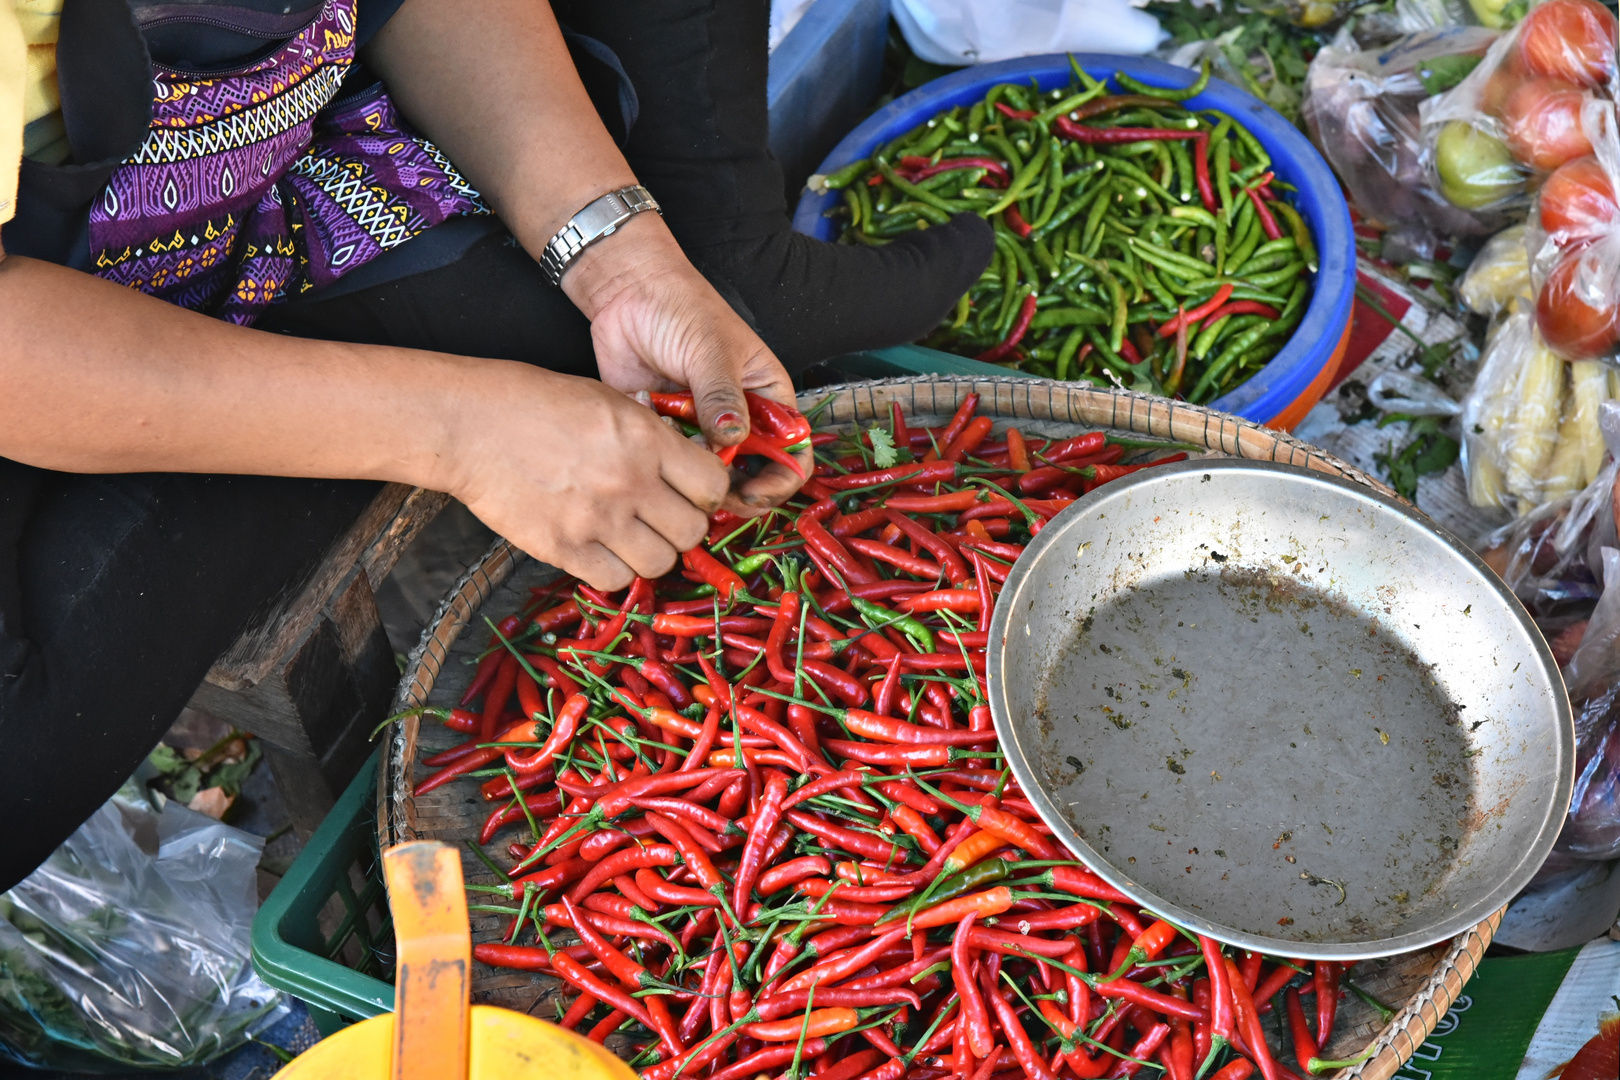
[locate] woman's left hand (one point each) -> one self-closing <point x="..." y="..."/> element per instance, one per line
<point x="657" y="324"/>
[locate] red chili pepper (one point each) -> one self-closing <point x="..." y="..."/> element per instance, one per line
<point x="712" y="571"/>
<point x="949" y="561"/>
<point x="887" y="729"/>
<point x="543" y="805"/>
<point x="1305" y="1048"/>
<point x="1221" y="1025"/>
<point x="1017" y="451"/>
<point x="1237" y="1069"/>
<point x="924" y="171"/>
<point x="1029" y="1059"/>
<point x="621" y="862"/>
<point x="1206" y="190"/>
<point x="1268" y="221"/>
<point x="959" y="419"/>
<point x="1015" y="221"/>
<point x="848" y="525"/>
<point x="1326" y="978"/>
<point x="780" y="877"/>
<point x="853" y="842"/>
<point x="1197" y="314"/>
<point x="1015" y="114"/>
<point x="499" y="696"/>
<point x="1145" y="1048"/>
<point x="842" y="965"/>
<point x="975" y="1016"/>
<point x="914" y="825"/>
<point x="809" y="525"/>
<point x="895" y="557"/>
<point x="1020" y="326"/>
<point x="575" y="973"/>
<point x="1270" y="986"/>
<point x="1084" y="134"/>
<point x="1244" y="307"/>
<point x="765" y="822"/>
<point x="1248" y="1022"/>
<point x="1137" y="994"/>
<point x="1128" y="353"/>
<point x="782" y="423"/>
<point x="484" y="674"/>
<point x="931" y="472"/>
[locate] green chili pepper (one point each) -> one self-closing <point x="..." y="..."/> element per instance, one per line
<point x="1067" y="316"/>
<point x="1156" y="287"/>
<point x="908" y="625"/>
<point x="1065" y="356"/>
<point x="847" y="175"/>
<point x="1259" y="160"/>
<point x="1239" y="345"/>
<point x="1022" y="179"/>
<point x="1116" y="333"/>
<point x="1173" y="261"/>
<point x="1298" y="230"/>
<point x="1277" y="277"/>
<point x="1139" y="174"/>
<point x="1198" y="87"/>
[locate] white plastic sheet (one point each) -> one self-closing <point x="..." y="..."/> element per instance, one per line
<point x="962" y="32"/>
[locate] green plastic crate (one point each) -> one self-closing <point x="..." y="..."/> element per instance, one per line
<point x="345" y="975"/>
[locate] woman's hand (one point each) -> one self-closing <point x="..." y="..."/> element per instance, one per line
<point x="579" y="475"/>
<point x="657" y="324"/>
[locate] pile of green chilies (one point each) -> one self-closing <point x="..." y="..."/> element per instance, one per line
<point x="764" y="825"/>
<point x="1138" y="243"/>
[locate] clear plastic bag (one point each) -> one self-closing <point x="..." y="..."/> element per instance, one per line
<point x="1573" y="237"/>
<point x="1499" y="274"/>
<point x="129" y="947"/>
<point x="1593" y="828"/>
<point x="1361" y="107"/>
<point x="1531" y="432"/>
<point x="1521" y="114"/>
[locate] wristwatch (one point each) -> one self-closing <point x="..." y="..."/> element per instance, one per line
<point x="601" y="217"/>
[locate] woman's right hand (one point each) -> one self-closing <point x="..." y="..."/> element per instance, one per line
<point x="577" y="474"/>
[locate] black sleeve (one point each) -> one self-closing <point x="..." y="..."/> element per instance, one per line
<point x="370" y="17"/>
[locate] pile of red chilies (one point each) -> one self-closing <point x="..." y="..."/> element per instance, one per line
<point x="767" y="829"/>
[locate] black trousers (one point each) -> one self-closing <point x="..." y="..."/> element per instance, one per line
<point x="117" y="592"/>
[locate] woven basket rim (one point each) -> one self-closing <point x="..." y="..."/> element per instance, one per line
<point x="1037" y="400"/>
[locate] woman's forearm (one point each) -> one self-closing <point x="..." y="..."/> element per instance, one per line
<point x="96" y="378"/>
<point x="491" y="82"/>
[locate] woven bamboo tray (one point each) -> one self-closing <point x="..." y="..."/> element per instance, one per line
<point x="1421" y="985"/>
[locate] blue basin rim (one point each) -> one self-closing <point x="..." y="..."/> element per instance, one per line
<point x="1319" y="199"/>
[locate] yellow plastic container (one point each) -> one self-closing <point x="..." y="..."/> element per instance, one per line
<point x="434" y="1034"/>
<point x="503" y="1045"/>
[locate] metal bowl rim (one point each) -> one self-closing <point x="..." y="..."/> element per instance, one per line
<point x="1453" y="924"/>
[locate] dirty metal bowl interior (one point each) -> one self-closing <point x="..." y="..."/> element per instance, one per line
<point x="1281" y="709"/>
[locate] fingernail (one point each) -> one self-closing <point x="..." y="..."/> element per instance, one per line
<point x="728" y="423"/>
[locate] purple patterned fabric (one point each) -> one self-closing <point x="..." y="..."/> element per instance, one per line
<point x="256" y="185"/>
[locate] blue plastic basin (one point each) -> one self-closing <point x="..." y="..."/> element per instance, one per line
<point x="1294" y="372"/>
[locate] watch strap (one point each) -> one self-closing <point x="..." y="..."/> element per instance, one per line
<point x="600" y="217"/>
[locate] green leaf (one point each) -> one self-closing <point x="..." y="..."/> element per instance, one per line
<point x="884" y="454"/>
<point x="167" y="760"/>
<point x="1444" y="72"/>
<point x="183" y="787"/>
<point x="233" y="775"/>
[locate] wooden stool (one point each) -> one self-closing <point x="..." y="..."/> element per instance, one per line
<point x="317" y="673"/>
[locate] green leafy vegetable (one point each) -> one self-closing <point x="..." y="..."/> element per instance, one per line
<point x="884" y="453"/>
<point x="1430" y="451"/>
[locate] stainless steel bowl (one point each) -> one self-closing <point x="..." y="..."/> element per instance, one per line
<point x="1281" y="709"/>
